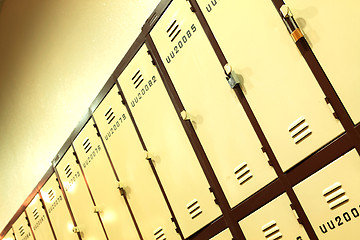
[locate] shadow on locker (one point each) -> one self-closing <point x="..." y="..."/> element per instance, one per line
<point x="175" y="161"/>
<point x="280" y="88"/>
<point x="221" y="124"/>
<point x="331" y="198"/>
<point x="136" y="177"/>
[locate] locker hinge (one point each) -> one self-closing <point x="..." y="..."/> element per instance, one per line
<point x="267" y="157"/>
<point x="58" y="183"/>
<point x="295" y="213"/>
<point x="27" y="219"/>
<point x="123" y="101"/>
<point x="290" y="23"/>
<point x="97" y="130"/>
<point x="77" y="159"/>
<point x="215" y="199"/>
<point x="152" y="58"/>
<point x="176" y="228"/>
<point x="42" y="203"/>
<point x="191" y="6"/>
<point x="231" y="77"/>
<point x="331" y="108"/>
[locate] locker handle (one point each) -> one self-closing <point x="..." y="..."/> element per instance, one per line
<point x="121" y="187"/>
<point x="290" y="23"/>
<point x="76" y="230"/>
<point x="231" y="77"/>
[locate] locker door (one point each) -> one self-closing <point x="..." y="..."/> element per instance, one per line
<point x="331" y="198"/>
<point x="38" y="219"/>
<point x="275" y="220"/>
<point x="79" y="198"/>
<point x="22" y="228"/>
<point x="280" y="88"/>
<point x="328" y="26"/>
<point x="224" y="235"/>
<point x="135" y="174"/>
<point x="9" y="235"/>
<point x="103" y="184"/>
<point x="218" y="118"/>
<point x="57" y="209"/>
<point x="176" y="163"/>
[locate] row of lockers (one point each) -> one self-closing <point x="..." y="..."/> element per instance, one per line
<point x="133" y="170"/>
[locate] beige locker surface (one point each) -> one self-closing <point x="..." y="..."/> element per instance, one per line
<point x="330" y="28"/>
<point x="224" y="235"/>
<point x="135" y="174"/>
<point x="331" y="198"/>
<point x="165" y="138"/>
<point x="58" y="211"/>
<point x="9" y="235"/>
<point x="21" y="228"/>
<point x="103" y="184"/>
<point x="79" y="198"/>
<point x="38" y="220"/>
<point x="279" y="86"/>
<point x="218" y="118"/>
<point x="275" y="220"/>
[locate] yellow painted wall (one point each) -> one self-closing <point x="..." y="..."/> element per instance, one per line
<point x="54" y="58"/>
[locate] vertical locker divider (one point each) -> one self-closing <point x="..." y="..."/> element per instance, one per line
<point x="215" y="187"/>
<point x="47" y="215"/>
<point x="65" y="197"/>
<point x="255" y="124"/>
<point x="331" y="96"/>
<point x="87" y="185"/>
<point x="122" y="192"/>
<point x="150" y="161"/>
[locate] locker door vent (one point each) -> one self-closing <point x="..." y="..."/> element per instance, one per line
<point x="299" y="130"/>
<point x="87" y="145"/>
<point x="109" y="115"/>
<point x="271" y="231"/>
<point x="36" y="214"/>
<point x="137" y="79"/>
<point x="21" y="230"/>
<point x="242" y="173"/>
<point x="194" y="208"/>
<point x="51" y="194"/>
<point x="335" y="195"/>
<point x="173" y="30"/>
<point x="159" y="234"/>
<point x="68" y="171"/>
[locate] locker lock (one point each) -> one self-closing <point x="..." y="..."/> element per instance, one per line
<point x="290" y="23"/>
<point x="231" y="77"/>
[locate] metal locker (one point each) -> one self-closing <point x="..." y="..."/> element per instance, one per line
<point x="224" y="235"/>
<point x="217" y="116"/>
<point x="327" y="27"/>
<point x="280" y="88"/>
<point x="9" y="235"/>
<point x="39" y="222"/>
<point x="80" y="200"/>
<point x="102" y="182"/>
<point x="135" y="174"/>
<point x="175" y="161"/>
<point x="57" y="209"/>
<point x="275" y="220"/>
<point x="22" y="228"/>
<point x="331" y="198"/>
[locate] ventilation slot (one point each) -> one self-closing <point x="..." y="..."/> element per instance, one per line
<point x="137" y="79"/>
<point x="271" y="231"/>
<point x="335" y="195"/>
<point x="36" y="214"/>
<point x="68" y="171"/>
<point x="87" y="145"/>
<point x="299" y="130"/>
<point x="159" y="234"/>
<point x="173" y="30"/>
<point x="51" y="194"/>
<point x="242" y="173"/>
<point x="21" y="230"/>
<point x="194" y="208"/>
<point x="109" y="115"/>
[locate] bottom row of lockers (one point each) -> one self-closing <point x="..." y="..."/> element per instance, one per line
<point x="329" y="197"/>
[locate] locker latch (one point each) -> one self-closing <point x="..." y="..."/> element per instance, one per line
<point x="290" y="23"/>
<point x="231" y="77"/>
